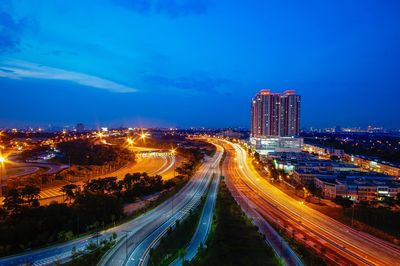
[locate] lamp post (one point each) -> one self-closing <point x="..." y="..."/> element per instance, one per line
<point x="173" y="152"/>
<point x="3" y="160"/>
<point x="126" y="242"/>
<point x="130" y="141"/>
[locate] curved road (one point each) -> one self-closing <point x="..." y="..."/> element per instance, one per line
<point x="153" y="166"/>
<point x="342" y="244"/>
<point x="203" y="228"/>
<point x="141" y="237"/>
<point x="62" y="252"/>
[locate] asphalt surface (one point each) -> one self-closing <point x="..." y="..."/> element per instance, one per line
<point x="62" y="252"/>
<point x="200" y="236"/>
<point x="153" y="166"/>
<point x="337" y="242"/>
<point x="146" y="233"/>
<point x="242" y="195"/>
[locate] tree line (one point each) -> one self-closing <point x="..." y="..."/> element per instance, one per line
<point x="82" y="152"/>
<point x="25" y="224"/>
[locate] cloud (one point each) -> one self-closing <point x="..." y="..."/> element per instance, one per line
<point x="198" y="84"/>
<point x="11" y="29"/>
<point x="21" y="69"/>
<point x="171" y="8"/>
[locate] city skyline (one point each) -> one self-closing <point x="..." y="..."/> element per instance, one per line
<point x="178" y="65"/>
<point x="199" y="132"/>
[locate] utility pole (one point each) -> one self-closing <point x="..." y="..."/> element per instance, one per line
<point x="173" y="151"/>
<point x="1" y="180"/>
<point x="126" y="243"/>
<point x="3" y="161"/>
<point x="1" y="183"/>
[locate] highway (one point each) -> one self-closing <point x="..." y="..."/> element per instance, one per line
<point x="145" y="234"/>
<point x="242" y="194"/>
<point x="338" y="243"/>
<point x="206" y="218"/>
<point x="62" y="252"/>
<point x="152" y="165"/>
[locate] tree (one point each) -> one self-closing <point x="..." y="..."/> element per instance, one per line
<point x="344" y="202"/>
<point x="110" y="185"/>
<point x="13" y="201"/>
<point x="70" y="191"/>
<point x="130" y="180"/>
<point x="334" y="158"/>
<point x="30" y="196"/>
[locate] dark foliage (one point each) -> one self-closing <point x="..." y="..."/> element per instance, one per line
<point x="235" y="241"/>
<point x="86" y="153"/>
<point x="344" y="202"/>
<point x="381" y="218"/>
<point x="28" y="225"/>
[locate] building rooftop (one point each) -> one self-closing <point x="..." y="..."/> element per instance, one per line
<point x="376" y="159"/>
<point x="371" y="182"/>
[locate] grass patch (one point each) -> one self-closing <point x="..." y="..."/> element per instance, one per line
<point x="92" y="254"/>
<point x="307" y="256"/>
<point x="233" y="239"/>
<point x="173" y="244"/>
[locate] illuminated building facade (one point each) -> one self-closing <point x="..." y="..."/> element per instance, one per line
<point x="275" y="122"/>
<point x="274" y="114"/>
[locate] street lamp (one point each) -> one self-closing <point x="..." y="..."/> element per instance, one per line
<point x="130" y="141"/>
<point x="100" y="135"/>
<point x="144" y="135"/>
<point x="126" y="242"/>
<point x="3" y="160"/>
<point x="173" y="152"/>
<point x="305" y="193"/>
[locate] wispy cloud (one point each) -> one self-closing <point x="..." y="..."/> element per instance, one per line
<point x="15" y="69"/>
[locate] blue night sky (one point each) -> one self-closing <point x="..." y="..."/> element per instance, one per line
<point x="197" y="63"/>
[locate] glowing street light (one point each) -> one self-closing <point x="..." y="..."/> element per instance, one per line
<point x="173" y="152"/>
<point x="99" y="134"/>
<point x="130" y="141"/>
<point x="143" y="136"/>
<point x="3" y="160"/>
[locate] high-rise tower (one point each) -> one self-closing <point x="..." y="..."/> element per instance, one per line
<point x="275" y="122"/>
<point x="273" y="114"/>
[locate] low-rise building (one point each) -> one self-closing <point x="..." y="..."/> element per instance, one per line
<point x="358" y="187"/>
<point x="374" y="164"/>
<point x="330" y="187"/>
<point x="268" y="145"/>
<point x="324" y="151"/>
<point x="306" y="177"/>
